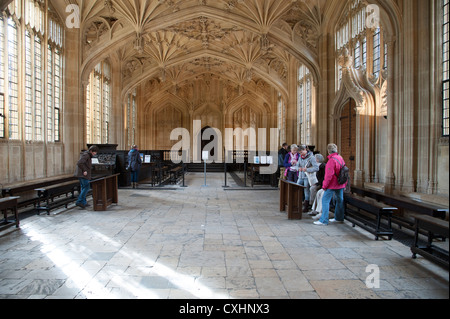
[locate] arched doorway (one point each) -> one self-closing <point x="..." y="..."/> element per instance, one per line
<point x="348" y="135"/>
<point x="210" y="143"/>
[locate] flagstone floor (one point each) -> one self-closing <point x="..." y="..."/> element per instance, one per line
<point x="205" y="242"/>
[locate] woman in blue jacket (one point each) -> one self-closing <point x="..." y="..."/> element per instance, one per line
<point x="134" y="164"/>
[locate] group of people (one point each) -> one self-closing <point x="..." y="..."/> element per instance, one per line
<point x="300" y="165"/>
<point x="319" y="179"/>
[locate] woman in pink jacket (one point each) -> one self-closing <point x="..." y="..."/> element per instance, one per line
<point x="332" y="188"/>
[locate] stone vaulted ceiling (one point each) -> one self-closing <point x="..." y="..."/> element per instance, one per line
<point x="177" y="40"/>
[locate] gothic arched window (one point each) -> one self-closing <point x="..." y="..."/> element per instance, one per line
<point x="304" y="105"/>
<point x="26" y="88"/>
<point x="361" y="35"/>
<point x="281" y="109"/>
<point x="131" y="117"/>
<point x="98" y="104"/>
<point x="446" y="68"/>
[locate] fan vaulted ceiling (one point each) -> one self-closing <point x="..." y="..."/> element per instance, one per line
<point x="175" y="40"/>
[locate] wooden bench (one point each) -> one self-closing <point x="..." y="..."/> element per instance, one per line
<point x="47" y="195"/>
<point x="368" y="215"/>
<point x="9" y="204"/>
<point x="436" y="228"/>
<point x="403" y="204"/>
<point x="256" y="177"/>
<point x="291" y="199"/>
<point x="26" y="190"/>
<point x="159" y="173"/>
<point x="175" y="174"/>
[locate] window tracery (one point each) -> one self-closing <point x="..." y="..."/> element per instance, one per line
<point x="304" y="105"/>
<point x="445" y="68"/>
<point x="281" y="110"/>
<point x="23" y="26"/>
<point x="131" y="117"/>
<point x="98" y="104"/>
<point x="365" y="42"/>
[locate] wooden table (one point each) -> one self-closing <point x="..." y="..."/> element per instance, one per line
<point x="9" y="203"/>
<point x="105" y="192"/>
<point x="291" y="199"/>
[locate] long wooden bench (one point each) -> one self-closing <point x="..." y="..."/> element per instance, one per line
<point x="369" y="214"/>
<point x="175" y="174"/>
<point x="9" y="204"/>
<point x="436" y="228"/>
<point x="26" y="191"/>
<point x="404" y="205"/>
<point x="159" y="173"/>
<point x="256" y="177"/>
<point x="47" y="196"/>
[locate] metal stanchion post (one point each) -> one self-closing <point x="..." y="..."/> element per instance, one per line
<point x="245" y="174"/>
<point x="225" y="170"/>
<point x="184" y="173"/>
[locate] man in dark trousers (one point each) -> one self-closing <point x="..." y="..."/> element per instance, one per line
<point x="83" y="172"/>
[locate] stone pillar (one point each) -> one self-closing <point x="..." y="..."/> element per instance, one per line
<point x="407" y="107"/>
<point x="73" y="129"/>
<point x="390" y="176"/>
<point x="291" y="104"/>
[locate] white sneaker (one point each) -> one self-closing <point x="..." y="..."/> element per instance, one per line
<point x="336" y="221"/>
<point x="317" y="217"/>
<point x="319" y="223"/>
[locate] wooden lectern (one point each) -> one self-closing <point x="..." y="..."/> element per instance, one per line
<point x="105" y="192"/>
<point x="291" y="199"/>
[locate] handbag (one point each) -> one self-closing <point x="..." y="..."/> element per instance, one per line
<point x="312" y="178"/>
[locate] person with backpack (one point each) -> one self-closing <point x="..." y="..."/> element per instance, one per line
<point x="334" y="183"/>
<point x="134" y="164"/>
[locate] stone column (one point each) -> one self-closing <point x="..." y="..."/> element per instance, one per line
<point x="74" y="101"/>
<point x="407" y="107"/>
<point x="390" y="176"/>
<point x="291" y="104"/>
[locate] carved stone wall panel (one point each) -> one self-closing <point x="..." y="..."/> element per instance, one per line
<point x="210" y="115"/>
<point x="166" y="119"/>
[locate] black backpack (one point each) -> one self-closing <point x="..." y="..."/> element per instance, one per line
<point x="343" y="173"/>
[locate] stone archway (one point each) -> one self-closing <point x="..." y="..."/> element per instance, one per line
<point x="205" y="143"/>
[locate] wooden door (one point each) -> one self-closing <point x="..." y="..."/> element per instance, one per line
<point x="348" y="135"/>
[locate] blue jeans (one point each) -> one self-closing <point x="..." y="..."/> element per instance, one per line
<point x="339" y="208"/>
<point x="84" y="189"/>
<point x="306" y="191"/>
<point x="134" y="176"/>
